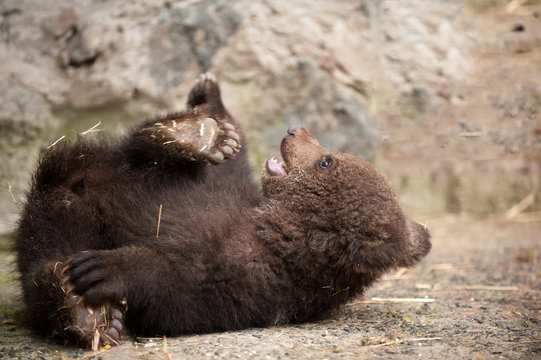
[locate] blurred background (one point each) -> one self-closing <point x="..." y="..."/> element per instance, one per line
<point x="443" y="96"/>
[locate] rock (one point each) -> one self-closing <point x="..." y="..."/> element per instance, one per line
<point x="342" y="71"/>
<point x="518" y="27"/>
<point x="24" y="116"/>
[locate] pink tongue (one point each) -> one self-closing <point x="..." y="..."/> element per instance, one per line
<point x="275" y="166"/>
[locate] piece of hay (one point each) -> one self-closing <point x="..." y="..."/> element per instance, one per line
<point x="378" y="300"/>
<point x="485" y="287"/>
<point x="520" y="206"/>
<point x="92" y="129"/>
<point x="56" y="142"/>
<point x="398" y="341"/>
<point x="159" y="221"/>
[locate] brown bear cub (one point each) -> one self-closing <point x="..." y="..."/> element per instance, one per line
<point x="165" y="233"/>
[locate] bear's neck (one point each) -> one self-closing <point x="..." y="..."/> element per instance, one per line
<point x="306" y="249"/>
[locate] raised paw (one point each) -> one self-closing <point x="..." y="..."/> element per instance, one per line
<point x="197" y="137"/>
<point x="204" y="132"/>
<point x="227" y="145"/>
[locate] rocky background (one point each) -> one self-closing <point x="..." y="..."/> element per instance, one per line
<point x="444" y="99"/>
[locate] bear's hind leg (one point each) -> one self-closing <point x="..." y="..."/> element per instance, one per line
<point x="58" y="313"/>
<point x="204" y="132"/>
<point x="206" y="91"/>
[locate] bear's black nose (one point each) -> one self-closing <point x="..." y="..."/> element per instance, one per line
<point x="293" y="129"/>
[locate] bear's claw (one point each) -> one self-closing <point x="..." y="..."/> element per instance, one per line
<point x="94" y="326"/>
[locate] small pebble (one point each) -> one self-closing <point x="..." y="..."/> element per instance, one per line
<point x="518" y="27"/>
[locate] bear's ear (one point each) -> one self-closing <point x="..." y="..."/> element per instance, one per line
<point x="418" y="244"/>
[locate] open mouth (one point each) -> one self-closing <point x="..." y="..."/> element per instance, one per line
<point x="275" y="167"/>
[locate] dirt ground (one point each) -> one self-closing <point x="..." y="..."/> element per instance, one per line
<point x="479" y="290"/>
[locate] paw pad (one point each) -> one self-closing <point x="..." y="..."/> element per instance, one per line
<point x="93" y="326"/>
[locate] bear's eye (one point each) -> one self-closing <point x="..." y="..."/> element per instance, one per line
<point x="325" y="163"/>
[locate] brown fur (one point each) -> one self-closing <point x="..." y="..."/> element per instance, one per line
<point x="228" y="256"/>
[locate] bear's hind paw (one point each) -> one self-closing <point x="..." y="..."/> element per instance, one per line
<point x="199" y="139"/>
<point x="205" y="132"/>
<point x="97" y="327"/>
<point x="228" y="146"/>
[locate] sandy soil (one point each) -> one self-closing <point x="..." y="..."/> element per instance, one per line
<point x="483" y="275"/>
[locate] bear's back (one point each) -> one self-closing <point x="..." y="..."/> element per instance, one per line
<point x="91" y="190"/>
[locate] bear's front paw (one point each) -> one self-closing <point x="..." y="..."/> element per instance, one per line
<point x="94" y="276"/>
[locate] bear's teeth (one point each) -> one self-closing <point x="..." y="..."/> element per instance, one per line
<point x="275" y="167"/>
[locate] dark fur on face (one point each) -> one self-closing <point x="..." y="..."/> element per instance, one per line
<point x="227" y="255"/>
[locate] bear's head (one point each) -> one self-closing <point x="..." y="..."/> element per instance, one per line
<point x="337" y="210"/>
